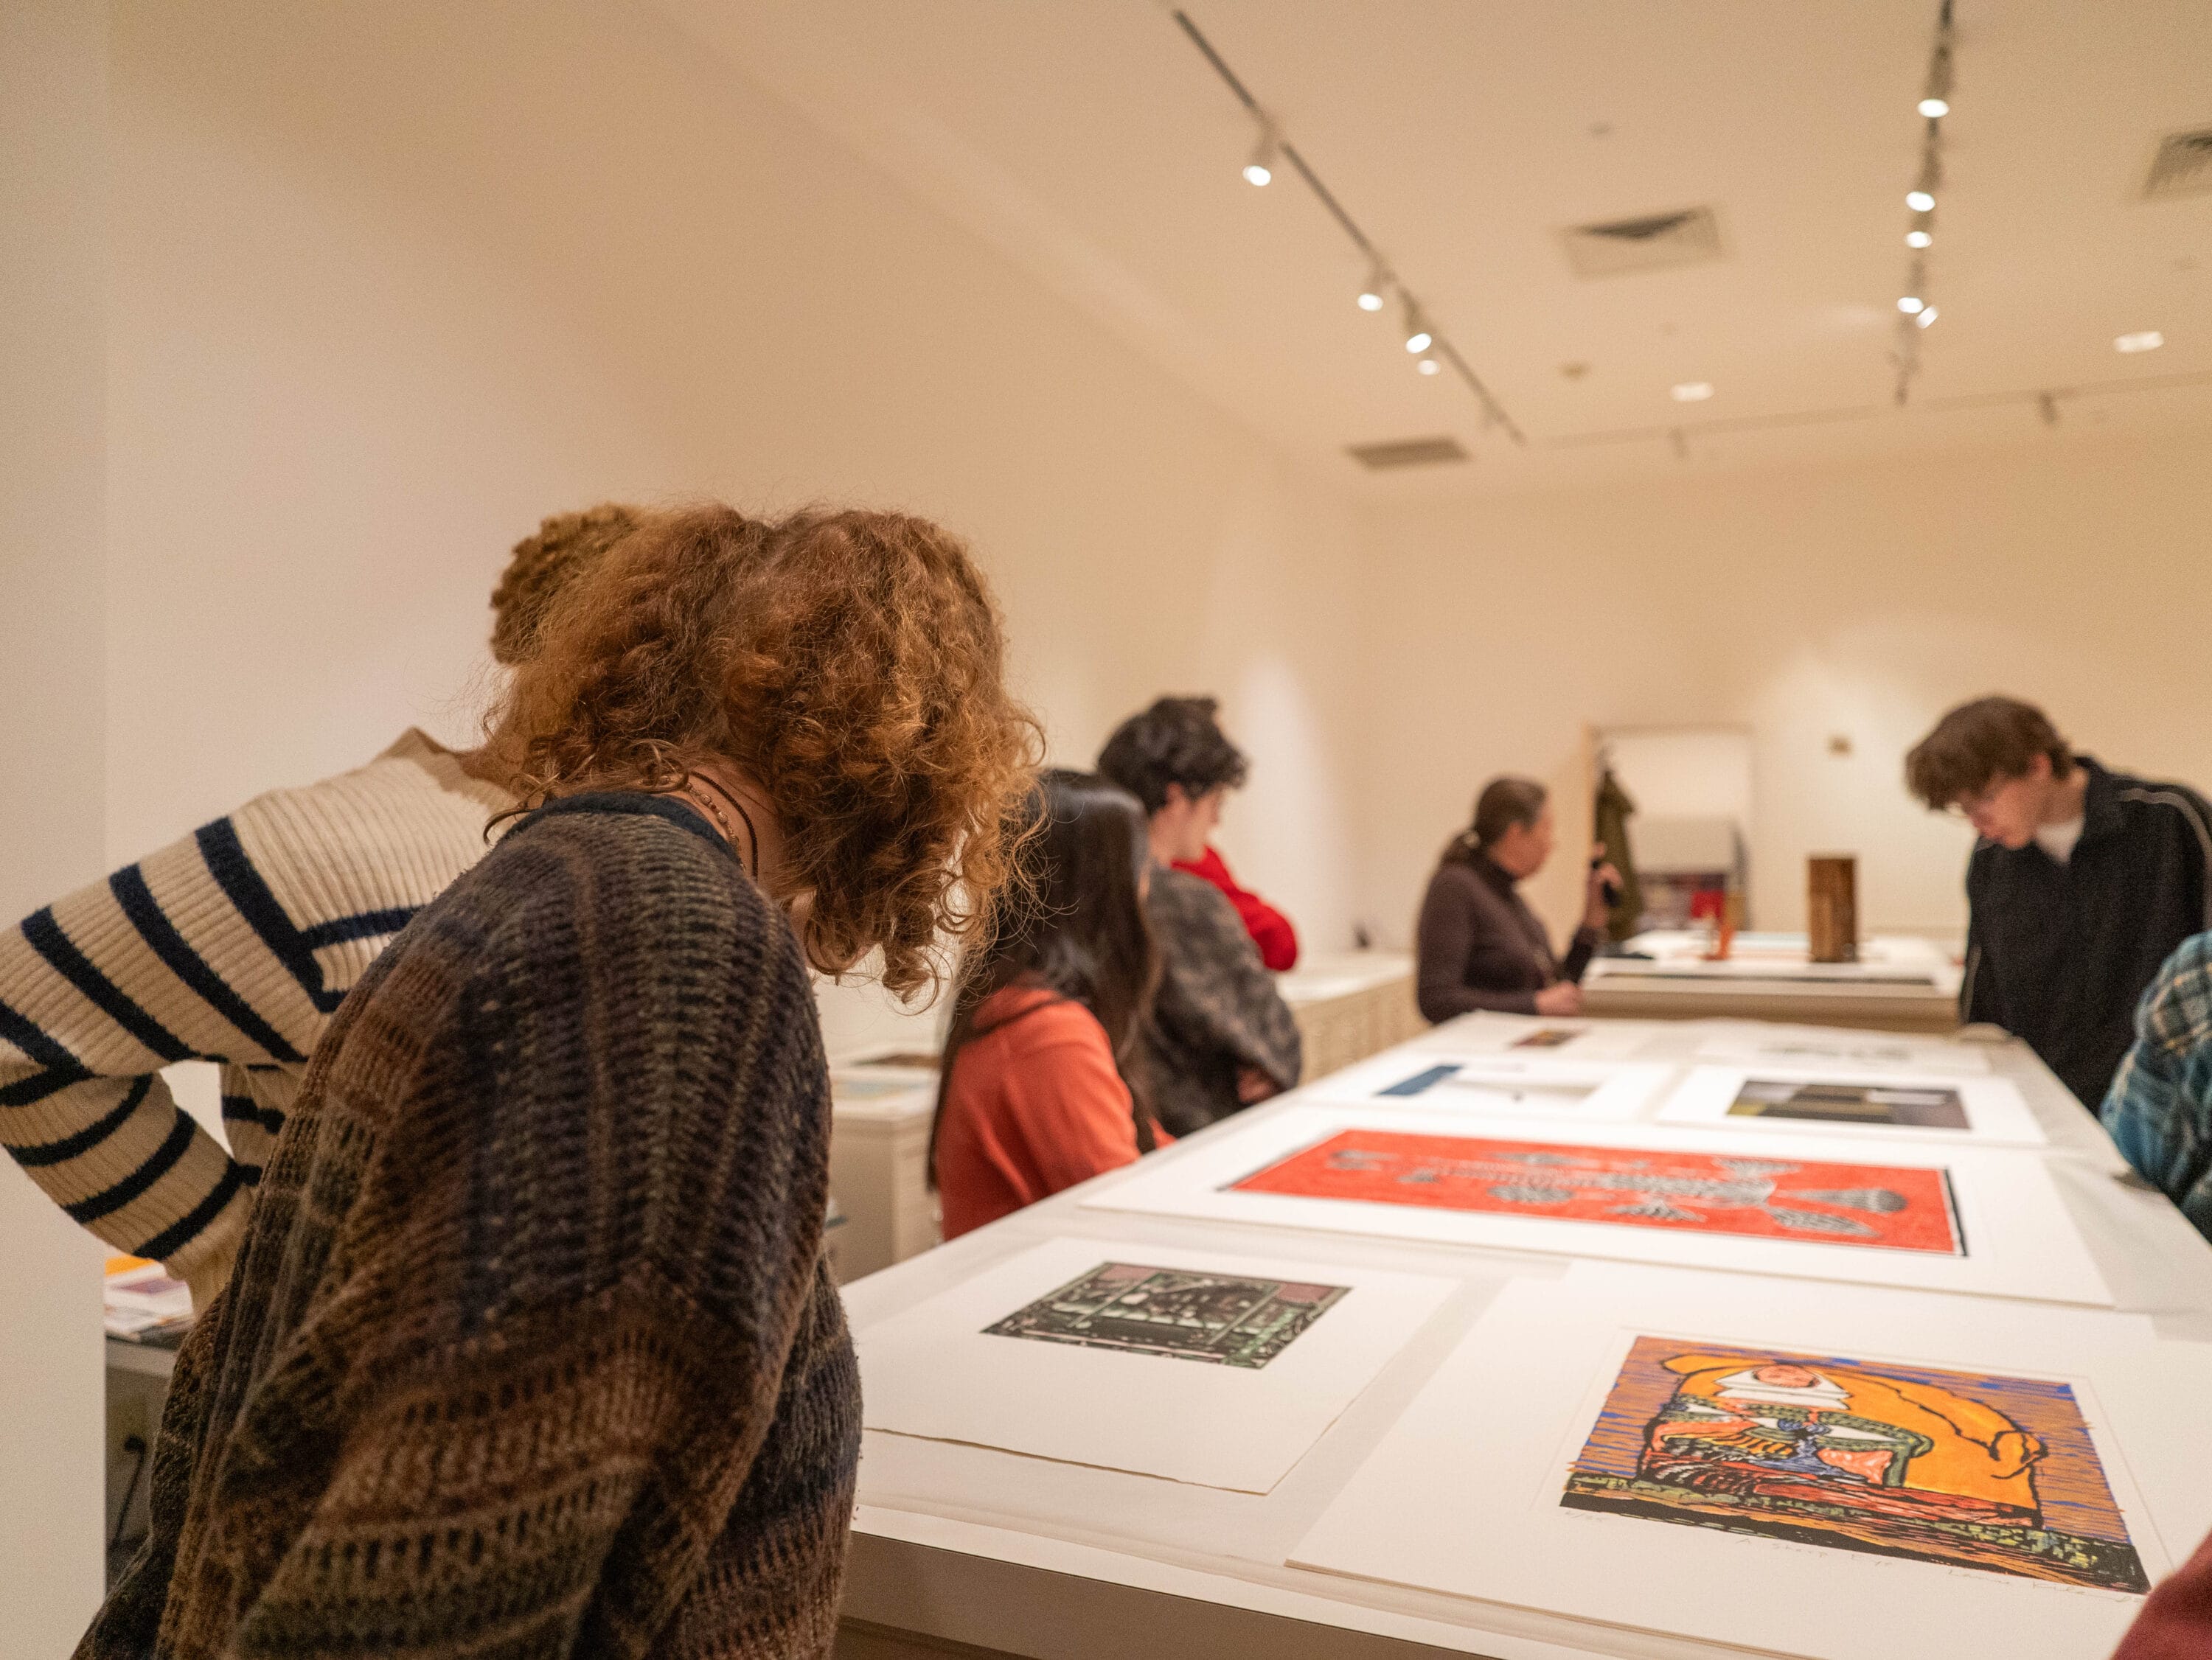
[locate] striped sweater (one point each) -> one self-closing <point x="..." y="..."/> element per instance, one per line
<point x="234" y="944"/>
<point x="531" y="1350"/>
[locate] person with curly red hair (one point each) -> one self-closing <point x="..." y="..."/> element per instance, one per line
<point x="531" y="1348"/>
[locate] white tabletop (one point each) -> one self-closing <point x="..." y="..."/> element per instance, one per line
<point x="967" y="1544"/>
<point x="1783" y="958"/>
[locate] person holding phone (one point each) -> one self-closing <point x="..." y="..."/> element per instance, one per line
<point x="1480" y="945"/>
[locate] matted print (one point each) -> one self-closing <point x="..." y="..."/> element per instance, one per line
<point x="1549" y="1037"/>
<point x="1890" y="1207"/>
<point x="1057" y="1353"/>
<point x="1974" y="1469"/>
<point x="1898" y="1105"/>
<point x="1226" y="1319"/>
<point x="1451" y="1083"/>
<point x="1787" y="1047"/>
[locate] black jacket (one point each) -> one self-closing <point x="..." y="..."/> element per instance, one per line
<point x="2058" y="953"/>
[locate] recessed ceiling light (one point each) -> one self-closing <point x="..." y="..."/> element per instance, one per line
<point x="1428" y="366"/>
<point x="1909" y="303"/>
<point x="1919" y="201"/>
<point x="1918" y="238"/>
<point x="1693" y="391"/>
<point x="2148" y="340"/>
<point x="1934" y="108"/>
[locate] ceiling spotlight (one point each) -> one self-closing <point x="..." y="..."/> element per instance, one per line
<point x="1927" y="316"/>
<point x="1918" y="238"/>
<point x="1418" y="337"/>
<point x="1918" y="201"/>
<point x="1909" y="305"/>
<point x="1934" y="108"/>
<point x="2148" y="340"/>
<point x="1260" y="169"/>
<point x="1428" y="366"/>
<point x="1370" y="291"/>
<point x="1693" y="391"/>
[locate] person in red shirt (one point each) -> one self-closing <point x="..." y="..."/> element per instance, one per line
<point x="1270" y="928"/>
<point x="1032" y="1097"/>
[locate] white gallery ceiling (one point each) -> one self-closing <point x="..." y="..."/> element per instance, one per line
<point x="1091" y="141"/>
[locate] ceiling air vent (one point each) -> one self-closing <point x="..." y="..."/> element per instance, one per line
<point x="1648" y="244"/>
<point x="2182" y="165"/>
<point x="1408" y="452"/>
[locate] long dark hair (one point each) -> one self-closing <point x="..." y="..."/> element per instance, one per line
<point x="1504" y="802"/>
<point x="1076" y="928"/>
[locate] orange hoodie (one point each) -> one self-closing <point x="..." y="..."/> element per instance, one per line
<point x="1035" y="1104"/>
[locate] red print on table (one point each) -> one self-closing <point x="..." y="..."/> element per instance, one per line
<point x="1888" y="1207"/>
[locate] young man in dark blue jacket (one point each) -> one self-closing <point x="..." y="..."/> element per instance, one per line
<point x="2082" y="884"/>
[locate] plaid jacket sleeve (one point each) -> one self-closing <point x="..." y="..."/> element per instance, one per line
<point x="2160" y="1108"/>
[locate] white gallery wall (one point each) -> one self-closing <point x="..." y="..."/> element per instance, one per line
<point x="1807" y="605"/>
<point x="392" y="280"/>
<point x="53" y="108"/>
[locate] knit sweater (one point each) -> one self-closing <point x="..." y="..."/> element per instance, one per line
<point x="531" y="1350"/>
<point x="1216" y="1011"/>
<point x="234" y="944"/>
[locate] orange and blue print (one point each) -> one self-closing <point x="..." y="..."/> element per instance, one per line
<point x="1968" y="1469"/>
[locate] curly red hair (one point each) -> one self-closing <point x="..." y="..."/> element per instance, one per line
<point x="851" y="664"/>
<point x="565" y="547"/>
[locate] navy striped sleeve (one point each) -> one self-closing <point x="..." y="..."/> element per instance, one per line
<point x="85" y="1140"/>
<point x="114" y="1198"/>
<point x="226" y="860"/>
<point x="171" y="1238"/>
<point x="62" y="1069"/>
<point x="161" y="936"/>
<point x="365" y="926"/>
<point x="60" y="952"/>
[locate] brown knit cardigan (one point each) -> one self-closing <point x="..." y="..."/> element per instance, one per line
<point x="530" y="1350"/>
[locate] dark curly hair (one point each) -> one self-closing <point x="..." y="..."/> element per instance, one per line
<point x="1177" y="741"/>
<point x="566" y="546"/>
<point x="849" y="664"/>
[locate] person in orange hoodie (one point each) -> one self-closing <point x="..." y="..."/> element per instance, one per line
<point x="1032" y="1097"/>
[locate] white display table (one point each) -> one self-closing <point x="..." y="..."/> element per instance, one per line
<point x="963" y="1549"/>
<point x="880" y="1162"/>
<point x="1349" y="1005"/>
<point x="1898" y="985"/>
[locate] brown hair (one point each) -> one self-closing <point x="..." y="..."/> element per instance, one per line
<point x="1504" y="802"/>
<point x="1979" y="743"/>
<point x="849" y="664"/>
<point x="566" y="546"/>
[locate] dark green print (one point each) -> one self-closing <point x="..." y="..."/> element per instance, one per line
<point x="1224" y="1319"/>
